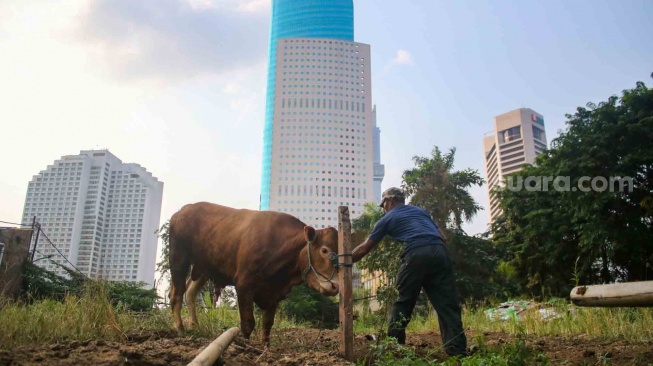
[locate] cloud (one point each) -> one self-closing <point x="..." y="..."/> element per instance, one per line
<point x="250" y="6"/>
<point x="200" y="5"/>
<point x="168" y="40"/>
<point x="402" y="57"/>
<point x="254" y="5"/>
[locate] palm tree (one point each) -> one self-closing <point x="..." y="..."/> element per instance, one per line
<point x="435" y="186"/>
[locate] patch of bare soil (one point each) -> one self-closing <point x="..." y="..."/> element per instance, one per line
<point x="305" y="347"/>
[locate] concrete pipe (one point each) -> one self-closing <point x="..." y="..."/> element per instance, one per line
<point x="214" y="350"/>
<point x="627" y="294"/>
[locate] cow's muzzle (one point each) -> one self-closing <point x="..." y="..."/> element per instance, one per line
<point x="329" y="288"/>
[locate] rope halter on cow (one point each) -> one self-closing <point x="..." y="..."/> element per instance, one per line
<point x="333" y="257"/>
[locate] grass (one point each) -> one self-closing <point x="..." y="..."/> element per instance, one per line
<point x="91" y="316"/>
<point x="388" y="353"/>
<point x="631" y="324"/>
<point x="75" y="318"/>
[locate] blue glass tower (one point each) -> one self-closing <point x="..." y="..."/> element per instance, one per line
<point x="332" y="19"/>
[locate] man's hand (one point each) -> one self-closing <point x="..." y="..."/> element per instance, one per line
<point x="360" y="251"/>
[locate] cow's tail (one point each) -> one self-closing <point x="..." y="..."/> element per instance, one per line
<point x="179" y="260"/>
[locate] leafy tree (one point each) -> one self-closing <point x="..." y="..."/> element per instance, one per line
<point x="163" y="266"/>
<point x="444" y="193"/>
<point x="131" y="296"/>
<point x="475" y="262"/>
<point x="597" y="236"/>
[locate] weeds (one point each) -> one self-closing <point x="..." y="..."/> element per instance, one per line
<point x="630" y="324"/>
<point x="389" y="353"/>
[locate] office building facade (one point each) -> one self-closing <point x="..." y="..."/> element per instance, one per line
<point x="517" y="139"/>
<point x="318" y="150"/>
<point x="100" y="213"/>
<point x="379" y="169"/>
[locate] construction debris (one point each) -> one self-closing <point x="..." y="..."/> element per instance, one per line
<point x="519" y="309"/>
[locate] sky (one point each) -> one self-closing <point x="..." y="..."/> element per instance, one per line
<point x="178" y="86"/>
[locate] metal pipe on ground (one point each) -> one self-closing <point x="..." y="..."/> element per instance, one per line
<point x="627" y="294"/>
<point x="214" y="350"/>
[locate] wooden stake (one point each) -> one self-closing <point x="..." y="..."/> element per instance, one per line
<point x="344" y="279"/>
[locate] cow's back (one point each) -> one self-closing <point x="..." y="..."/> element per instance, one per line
<point x="222" y="241"/>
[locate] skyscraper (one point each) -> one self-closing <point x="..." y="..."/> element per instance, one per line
<point x="379" y="169"/>
<point x="318" y="136"/>
<point x="517" y="139"/>
<point x="100" y="213"/>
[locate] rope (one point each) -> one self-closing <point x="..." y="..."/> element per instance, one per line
<point x="13" y="223"/>
<point x="310" y="266"/>
<point x="58" y="251"/>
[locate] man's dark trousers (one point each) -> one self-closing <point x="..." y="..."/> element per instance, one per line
<point x="429" y="267"/>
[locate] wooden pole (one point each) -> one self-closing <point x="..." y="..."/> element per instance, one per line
<point x="214" y="350"/>
<point x="344" y="279"/>
<point x="627" y="294"/>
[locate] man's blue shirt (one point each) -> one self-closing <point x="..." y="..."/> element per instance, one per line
<point x="408" y="224"/>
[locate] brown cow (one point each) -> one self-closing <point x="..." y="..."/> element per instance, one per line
<point x="262" y="253"/>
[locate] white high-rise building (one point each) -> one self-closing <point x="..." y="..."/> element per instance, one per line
<point x="379" y="169"/>
<point x="517" y="139"/>
<point x="100" y="213"/>
<point x="323" y="130"/>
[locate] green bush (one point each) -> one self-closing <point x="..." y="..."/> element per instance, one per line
<point x="304" y="305"/>
<point x="41" y="284"/>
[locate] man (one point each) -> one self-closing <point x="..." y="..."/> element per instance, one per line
<point x="425" y="263"/>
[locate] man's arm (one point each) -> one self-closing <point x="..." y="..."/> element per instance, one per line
<point x="360" y="251"/>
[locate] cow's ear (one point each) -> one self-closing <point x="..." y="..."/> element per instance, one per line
<point x="310" y="233"/>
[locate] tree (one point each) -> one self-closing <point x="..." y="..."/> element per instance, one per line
<point x="163" y="266"/>
<point x="444" y="193"/>
<point x="591" y="234"/>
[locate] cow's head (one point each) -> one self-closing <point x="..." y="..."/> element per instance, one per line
<point x="323" y="277"/>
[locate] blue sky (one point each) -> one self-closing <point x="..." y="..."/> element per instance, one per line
<point x="178" y="86"/>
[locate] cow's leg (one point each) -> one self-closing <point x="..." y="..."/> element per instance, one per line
<point x="246" y="310"/>
<point x="194" y="287"/>
<point x="179" y="266"/>
<point x="177" y="301"/>
<point x="268" y="321"/>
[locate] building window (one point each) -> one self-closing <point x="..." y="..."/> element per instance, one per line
<point x="538" y="134"/>
<point x="510" y="134"/>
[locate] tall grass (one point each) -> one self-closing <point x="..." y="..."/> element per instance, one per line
<point x="91" y="316"/>
<point x="88" y="316"/>
<point x="631" y="324"/>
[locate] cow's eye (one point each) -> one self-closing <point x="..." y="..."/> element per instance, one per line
<point x="325" y="250"/>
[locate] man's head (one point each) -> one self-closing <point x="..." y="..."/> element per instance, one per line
<point x="391" y="198"/>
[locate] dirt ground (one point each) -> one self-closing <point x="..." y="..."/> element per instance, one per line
<point x="304" y="347"/>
